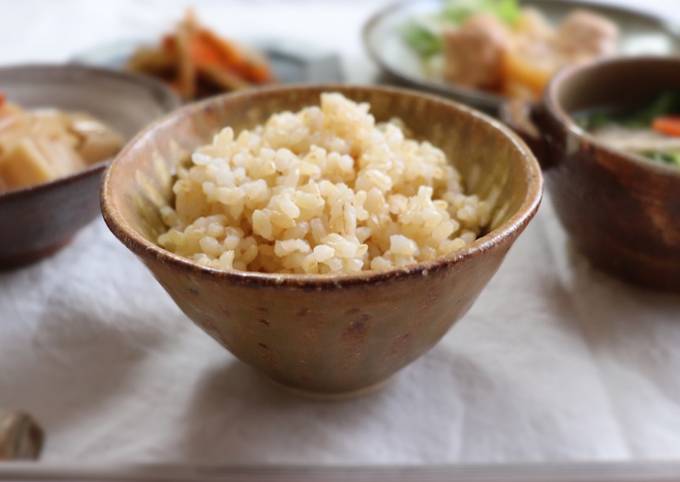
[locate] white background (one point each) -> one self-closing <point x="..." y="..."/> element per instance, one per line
<point x="554" y="362"/>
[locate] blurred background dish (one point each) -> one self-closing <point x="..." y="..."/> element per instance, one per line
<point x="650" y="128"/>
<point x="40" y="145"/>
<point x="36" y="220"/>
<point x="619" y="205"/>
<point x="197" y="62"/>
<point x="401" y="50"/>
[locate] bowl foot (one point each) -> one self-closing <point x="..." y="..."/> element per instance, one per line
<point x="332" y="396"/>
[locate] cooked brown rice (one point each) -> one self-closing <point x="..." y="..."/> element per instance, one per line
<point x="323" y="190"/>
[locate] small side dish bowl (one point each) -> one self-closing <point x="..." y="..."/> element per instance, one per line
<point x="36" y="221"/>
<point x="321" y="333"/>
<point x="621" y="210"/>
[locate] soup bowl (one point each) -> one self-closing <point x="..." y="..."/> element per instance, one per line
<point x="325" y="334"/>
<point x="621" y="211"/>
<point x="38" y="220"/>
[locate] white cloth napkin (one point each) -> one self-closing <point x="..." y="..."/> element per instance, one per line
<point x="554" y="362"/>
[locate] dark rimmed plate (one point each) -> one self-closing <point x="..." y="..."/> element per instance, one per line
<point x="641" y="33"/>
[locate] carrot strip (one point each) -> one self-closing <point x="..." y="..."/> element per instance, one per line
<point x="204" y="53"/>
<point x="193" y="53"/>
<point x="669" y="125"/>
<point x="237" y="60"/>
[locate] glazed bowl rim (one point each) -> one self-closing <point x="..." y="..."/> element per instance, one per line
<point x="143" y="247"/>
<point x="170" y="101"/>
<point x="559" y="113"/>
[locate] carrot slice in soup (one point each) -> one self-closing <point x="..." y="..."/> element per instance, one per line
<point x="669" y="126"/>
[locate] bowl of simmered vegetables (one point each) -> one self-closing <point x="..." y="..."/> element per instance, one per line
<point x="608" y="137"/>
<point x="483" y="52"/>
<point x="59" y="127"/>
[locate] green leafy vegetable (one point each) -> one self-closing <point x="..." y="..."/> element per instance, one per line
<point x="664" y="104"/>
<point x="594" y="120"/>
<point x="458" y="11"/>
<point x="665" y="157"/>
<point x="423" y="39"/>
<point x="424" y="36"/>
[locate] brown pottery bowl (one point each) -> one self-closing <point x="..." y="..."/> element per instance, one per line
<point x="36" y="221"/>
<point x="621" y="211"/>
<point x="316" y="333"/>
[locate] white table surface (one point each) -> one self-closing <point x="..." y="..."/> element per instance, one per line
<point x="555" y="362"/>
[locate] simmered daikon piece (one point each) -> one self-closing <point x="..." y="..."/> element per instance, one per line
<point x="41" y="145"/>
<point x="96" y="141"/>
<point x="24" y="165"/>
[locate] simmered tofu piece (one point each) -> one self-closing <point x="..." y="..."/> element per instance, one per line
<point x="474" y="52"/>
<point x="584" y="35"/>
